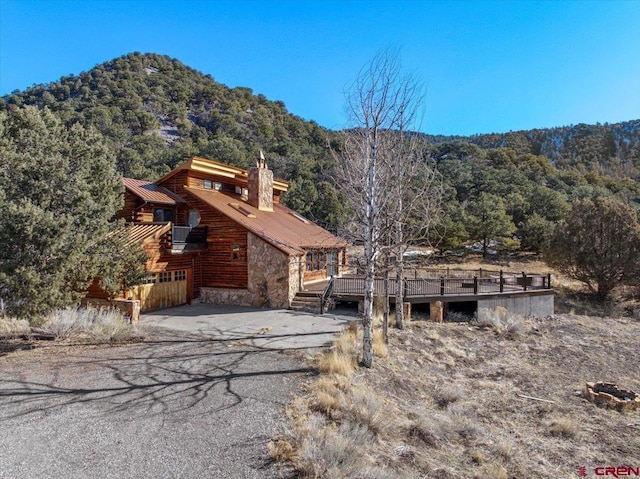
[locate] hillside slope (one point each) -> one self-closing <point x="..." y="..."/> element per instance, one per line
<point x="154" y="112"/>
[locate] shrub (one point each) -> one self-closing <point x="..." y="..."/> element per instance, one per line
<point x="11" y="327"/>
<point x="101" y="325"/>
<point x="563" y="428"/>
<point x="502" y="321"/>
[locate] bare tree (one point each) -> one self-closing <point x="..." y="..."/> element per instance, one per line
<point x="417" y="194"/>
<point x="377" y="161"/>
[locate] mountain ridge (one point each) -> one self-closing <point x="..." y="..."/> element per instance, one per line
<point x="154" y="112"/>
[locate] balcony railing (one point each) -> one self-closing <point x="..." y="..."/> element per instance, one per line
<point x="187" y="234"/>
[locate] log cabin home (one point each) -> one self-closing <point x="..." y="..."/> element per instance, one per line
<point x="221" y="234"/>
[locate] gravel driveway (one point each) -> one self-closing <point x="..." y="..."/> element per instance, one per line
<point x="178" y="405"/>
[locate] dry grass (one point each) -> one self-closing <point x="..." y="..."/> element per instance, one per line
<point x="445" y="404"/>
<point x="380" y="348"/>
<point x="563" y="427"/>
<point x="502" y="321"/>
<point x="11" y="327"/>
<point x="100" y="325"/>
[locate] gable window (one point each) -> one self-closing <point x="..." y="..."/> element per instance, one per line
<point x="162" y="215"/>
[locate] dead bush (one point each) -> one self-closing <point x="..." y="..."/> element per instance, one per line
<point x="11" y="327"/>
<point x="493" y="471"/>
<point x="281" y="450"/>
<point x="444" y="395"/>
<point x="502" y="321"/>
<point x="564" y="428"/>
<point x="102" y="325"/>
<point x="366" y="408"/>
<point x="328" y="454"/>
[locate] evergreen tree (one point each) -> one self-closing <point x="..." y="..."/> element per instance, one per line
<point x="598" y="244"/>
<point x="60" y="192"/>
<point x="489" y="220"/>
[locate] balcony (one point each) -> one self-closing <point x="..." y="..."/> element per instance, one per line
<point x="185" y="238"/>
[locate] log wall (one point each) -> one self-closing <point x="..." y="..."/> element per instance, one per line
<point x="219" y="266"/>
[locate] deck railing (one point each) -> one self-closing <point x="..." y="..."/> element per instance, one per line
<point x="187" y="234"/>
<point x="456" y="286"/>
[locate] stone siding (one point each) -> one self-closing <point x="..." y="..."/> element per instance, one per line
<point x="273" y="279"/>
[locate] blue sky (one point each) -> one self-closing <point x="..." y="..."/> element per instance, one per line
<point x="487" y="66"/>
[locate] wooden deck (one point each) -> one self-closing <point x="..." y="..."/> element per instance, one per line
<point x="424" y="290"/>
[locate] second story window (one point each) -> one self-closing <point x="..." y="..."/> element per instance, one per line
<point x="208" y="184"/>
<point x="162" y="215"/>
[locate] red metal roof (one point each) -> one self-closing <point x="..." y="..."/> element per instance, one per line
<point x="147" y="191"/>
<point x="282" y="227"/>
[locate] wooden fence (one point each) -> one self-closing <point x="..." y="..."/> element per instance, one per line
<point x="159" y="295"/>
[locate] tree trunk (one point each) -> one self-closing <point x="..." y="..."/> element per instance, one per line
<point x="370" y="255"/>
<point x="385" y="322"/>
<point x="399" y="277"/>
<point x="367" y="318"/>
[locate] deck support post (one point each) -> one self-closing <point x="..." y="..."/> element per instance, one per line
<point x="436" y="312"/>
<point x="407" y="311"/>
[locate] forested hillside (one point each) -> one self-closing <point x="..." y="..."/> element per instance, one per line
<point x="154" y="112"/>
<point x="613" y="150"/>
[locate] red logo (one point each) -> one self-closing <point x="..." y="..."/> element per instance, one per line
<point x="620" y="471"/>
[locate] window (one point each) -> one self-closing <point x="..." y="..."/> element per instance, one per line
<point x="238" y="252"/>
<point x="244" y="192"/>
<point x="316" y="260"/>
<point x="164" y="277"/>
<point x="208" y="184"/>
<point x="217" y="186"/>
<point x="179" y="275"/>
<point x="151" y="279"/>
<point x="162" y="215"/>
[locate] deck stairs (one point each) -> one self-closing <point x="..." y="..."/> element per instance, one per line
<point x="308" y="301"/>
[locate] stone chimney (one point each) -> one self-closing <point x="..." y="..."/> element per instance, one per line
<point x="261" y="185"/>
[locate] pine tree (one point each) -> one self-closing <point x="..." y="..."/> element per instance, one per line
<point x="60" y="192"/>
<point x="598" y="244"/>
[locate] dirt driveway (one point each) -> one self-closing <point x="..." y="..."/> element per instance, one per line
<point x="178" y="405"/>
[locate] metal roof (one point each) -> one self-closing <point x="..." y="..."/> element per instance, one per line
<point x="283" y="228"/>
<point x="150" y="192"/>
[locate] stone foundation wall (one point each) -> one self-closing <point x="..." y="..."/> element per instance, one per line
<point x="240" y="297"/>
<point x="273" y="279"/>
<point x="537" y="306"/>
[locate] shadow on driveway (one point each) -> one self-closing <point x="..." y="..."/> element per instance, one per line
<point x="178" y="405"/>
